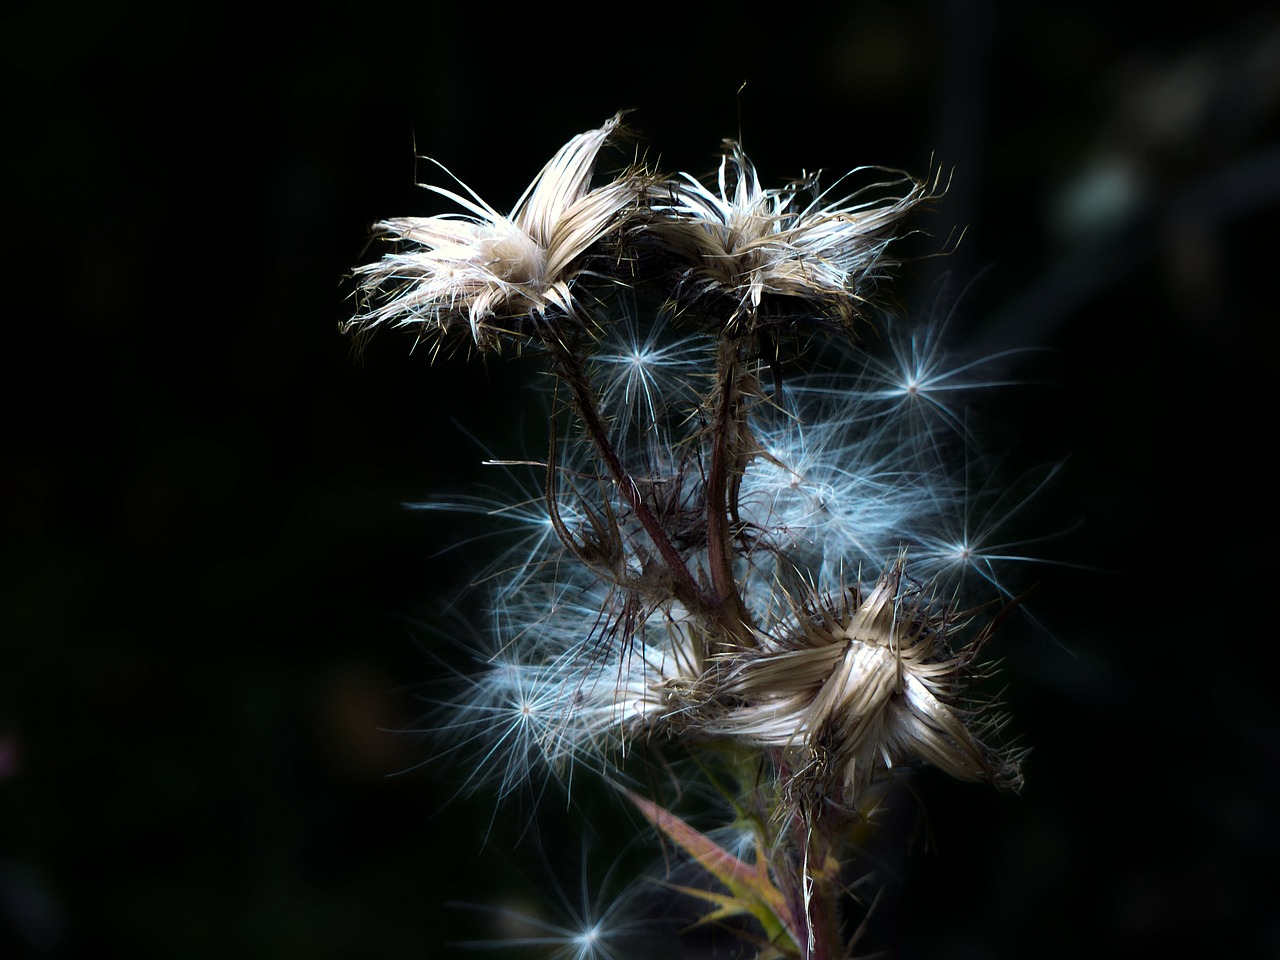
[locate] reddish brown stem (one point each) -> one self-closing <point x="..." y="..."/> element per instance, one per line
<point x="686" y="587"/>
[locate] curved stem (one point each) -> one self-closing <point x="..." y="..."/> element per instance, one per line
<point x="570" y="372"/>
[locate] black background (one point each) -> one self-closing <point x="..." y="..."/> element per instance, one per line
<point x="213" y="605"/>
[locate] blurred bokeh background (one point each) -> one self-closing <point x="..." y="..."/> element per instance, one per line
<point x="213" y="607"/>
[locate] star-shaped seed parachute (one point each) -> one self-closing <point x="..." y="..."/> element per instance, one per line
<point x="481" y="268"/>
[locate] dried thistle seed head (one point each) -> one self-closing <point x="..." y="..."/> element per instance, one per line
<point x="852" y="692"/>
<point x="485" y="271"/>
<point x="746" y="243"/>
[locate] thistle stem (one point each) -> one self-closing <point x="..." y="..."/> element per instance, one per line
<point x="811" y="891"/>
<point x="570" y="372"/>
<point x="725" y="463"/>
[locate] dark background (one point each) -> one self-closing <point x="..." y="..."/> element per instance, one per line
<point x="212" y="604"/>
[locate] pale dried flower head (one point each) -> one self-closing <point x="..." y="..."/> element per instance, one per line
<point x="480" y="268"/>
<point x="855" y="690"/>
<point x="745" y="242"/>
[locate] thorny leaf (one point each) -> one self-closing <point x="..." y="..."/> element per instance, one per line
<point x="752" y="891"/>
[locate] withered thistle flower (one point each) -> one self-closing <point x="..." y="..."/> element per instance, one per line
<point x="743" y="242"/>
<point x="482" y="268"/>
<point x="712" y="556"/>
<point x="853" y="690"/>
